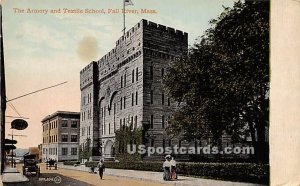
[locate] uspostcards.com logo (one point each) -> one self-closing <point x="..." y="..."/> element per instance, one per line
<point x="142" y="149"/>
<point x="56" y="179"/>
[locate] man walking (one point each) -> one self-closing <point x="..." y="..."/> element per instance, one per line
<point x="101" y="168"/>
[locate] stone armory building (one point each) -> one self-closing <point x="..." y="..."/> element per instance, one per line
<point x="124" y="87"/>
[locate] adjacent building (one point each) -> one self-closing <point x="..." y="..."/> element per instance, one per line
<point x="124" y="87"/>
<point x="61" y="136"/>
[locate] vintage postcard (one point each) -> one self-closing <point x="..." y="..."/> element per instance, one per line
<point x="138" y="92"/>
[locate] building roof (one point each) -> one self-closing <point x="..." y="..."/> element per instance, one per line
<point x="61" y="113"/>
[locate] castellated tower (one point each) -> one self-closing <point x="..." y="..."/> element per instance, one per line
<point x="124" y="87"/>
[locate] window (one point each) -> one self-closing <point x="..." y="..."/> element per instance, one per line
<point x="64" y="138"/>
<point x="132" y="75"/>
<point x="169" y="103"/>
<point x="73" y="138"/>
<point x="162" y="72"/>
<point x="163" y="99"/>
<point x="64" y="123"/>
<point x="136" y="98"/>
<point x="124" y="102"/>
<point x="73" y="151"/>
<point x="151" y="97"/>
<point x="136" y="74"/>
<point x="162" y="121"/>
<point x="74" y="124"/>
<point x="64" y="151"/>
<point x="121" y="81"/>
<point x="121" y="103"/>
<point x="151" y="122"/>
<point x="135" y="122"/>
<point x="108" y="128"/>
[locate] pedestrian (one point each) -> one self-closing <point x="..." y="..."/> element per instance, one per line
<point x="166" y="167"/>
<point x="101" y="168"/>
<point x="173" y="169"/>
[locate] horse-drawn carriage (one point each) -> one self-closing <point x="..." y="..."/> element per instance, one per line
<point x="30" y="165"/>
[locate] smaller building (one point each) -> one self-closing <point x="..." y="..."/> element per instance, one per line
<point x="61" y="136"/>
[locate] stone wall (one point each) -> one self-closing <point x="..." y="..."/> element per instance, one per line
<point x="89" y="105"/>
<point x="161" y="46"/>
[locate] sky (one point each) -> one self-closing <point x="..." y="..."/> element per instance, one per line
<point x="42" y="49"/>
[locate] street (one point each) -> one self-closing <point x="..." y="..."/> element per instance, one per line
<point x="66" y="177"/>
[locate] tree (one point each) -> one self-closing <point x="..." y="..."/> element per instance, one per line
<point x="85" y="152"/>
<point x="223" y="83"/>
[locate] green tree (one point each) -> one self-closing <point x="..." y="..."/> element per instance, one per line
<point x="223" y="83"/>
<point x="86" y="152"/>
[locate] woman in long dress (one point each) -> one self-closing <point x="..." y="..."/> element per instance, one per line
<point x="173" y="175"/>
<point x="166" y="167"/>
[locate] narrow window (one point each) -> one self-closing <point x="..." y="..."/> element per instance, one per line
<point x="163" y="99"/>
<point x="136" y="98"/>
<point x="121" y="81"/>
<point x="132" y="75"/>
<point x="136" y="74"/>
<point x="121" y="103"/>
<point x="162" y="72"/>
<point x="151" y="122"/>
<point x="132" y="99"/>
<point x="124" y="102"/>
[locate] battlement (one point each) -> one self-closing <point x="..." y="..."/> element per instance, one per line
<point x="139" y="28"/>
<point x="160" y="27"/>
<point x="90" y="65"/>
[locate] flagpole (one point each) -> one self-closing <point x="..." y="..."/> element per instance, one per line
<point x="124" y="18"/>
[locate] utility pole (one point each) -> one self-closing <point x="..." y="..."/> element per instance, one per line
<point x="2" y="98"/>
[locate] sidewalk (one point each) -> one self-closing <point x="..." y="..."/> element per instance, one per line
<point x="11" y="176"/>
<point x="157" y="177"/>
